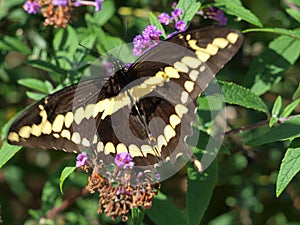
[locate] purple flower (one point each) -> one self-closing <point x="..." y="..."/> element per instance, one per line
<point x="82" y="159"/>
<point x="60" y="2"/>
<point x="31" y="7"/>
<point x="76" y="4"/>
<point x="157" y="176"/>
<point x="128" y="65"/>
<point x="124" y="160"/>
<point x="172" y="34"/>
<point x="174" y="5"/>
<point x="176" y="13"/>
<point x="151" y="32"/>
<point x="218" y="15"/>
<point x="98" y="5"/>
<point x="164" y="18"/>
<point x="180" y="25"/>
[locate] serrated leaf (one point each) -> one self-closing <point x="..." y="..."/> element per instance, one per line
<point x="289" y="167"/>
<point x="40" y="64"/>
<point x="294" y="14"/>
<point x="165" y="212"/>
<point x="154" y="21"/>
<point x="189" y="8"/>
<point x="7" y="151"/>
<point x="199" y="192"/>
<point x="289" y="108"/>
<point x="67" y="171"/>
<point x="34" y="84"/>
<point x="286" y="130"/>
<point x="236" y="94"/>
<point x="236" y="9"/>
<point x="268" y="68"/>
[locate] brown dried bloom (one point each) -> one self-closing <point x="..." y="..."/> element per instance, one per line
<point x="117" y="198"/>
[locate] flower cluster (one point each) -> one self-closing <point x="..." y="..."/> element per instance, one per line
<point x="151" y="35"/>
<point x="122" y="189"/>
<point x="82" y="159"/>
<point x="216" y="14"/>
<point x="58" y="12"/>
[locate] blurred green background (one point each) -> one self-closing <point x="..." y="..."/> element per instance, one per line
<point x="245" y="192"/>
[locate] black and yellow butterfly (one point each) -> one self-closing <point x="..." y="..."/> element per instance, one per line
<point x="116" y="115"/>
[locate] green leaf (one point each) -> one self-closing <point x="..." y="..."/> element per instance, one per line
<point x="236" y="9"/>
<point x="293" y="13"/>
<point x="40" y="64"/>
<point x="7" y="151"/>
<point x="165" y="212"/>
<point x="297" y="92"/>
<point x="267" y="69"/>
<point x="275" y="111"/>
<point x="289" y="167"/>
<point x="137" y="215"/>
<point x="289" y="108"/>
<point x="64" y="175"/>
<point x="35" y="96"/>
<point x="105" y="14"/>
<point x="34" y="84"/>
<point x="154" y="21"/>
<point x="281" y="31"/>
<point x="190" y="8"/>
<point x="235" y="94"/>
<point x="286" y="130"/>
<point x="199" y="192"/>
<point x="12" y="43"/>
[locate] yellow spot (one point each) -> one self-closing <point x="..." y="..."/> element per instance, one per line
<point x="109" y="148"/>
<point x="172" y="72"/>
<point x="66" y="134"/>
<point x="189" y="86"/>
<point x="210" y="48"/>
<point x="134" y="151"/>
<point x="121" y="148"/>
<point x="188" y="37"/>
<point x="76" y="138"/>
<point x="174" y="120"/>
<point x="47" y="128"/>
<point x="36" y="130"/>
<point x="169" y="132"/>
<point x="24" y="132"/>
<point x="180" y="110"/>
<point x="220" y="42"/>
<point x="95" y="140"/>
<point x="100" y="106"/>
<point x="85" y="142"/>
<point x="79" y="115"/>
<point x="161" y="141"/>
<point x="100" y="146"/>
<point x="154" y="81"/>
<point x="232" y="37"/>
<point x="184" y="97"/>
<point x="109" y="108"/>
<point x="89" y="110"/>
<point x="191" y="62"/>
<point x="13" y="136"/>
<point x="69" y="119"/>
<point x="202" y="56"/>
<point x="202" y="68"/>
<point x="56" y="135"/>
<point x="58" y="123"/>
<point x="147" y="149"/>
<point x="180" y="67"/>
<point x="194" y="75"/>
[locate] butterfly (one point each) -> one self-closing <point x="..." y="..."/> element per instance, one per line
<point x="145" y="110"/>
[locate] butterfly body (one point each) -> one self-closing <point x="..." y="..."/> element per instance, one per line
<point x="145" y="110"/>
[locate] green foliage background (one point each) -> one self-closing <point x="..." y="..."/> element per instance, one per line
<point x="260" y="85"/>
